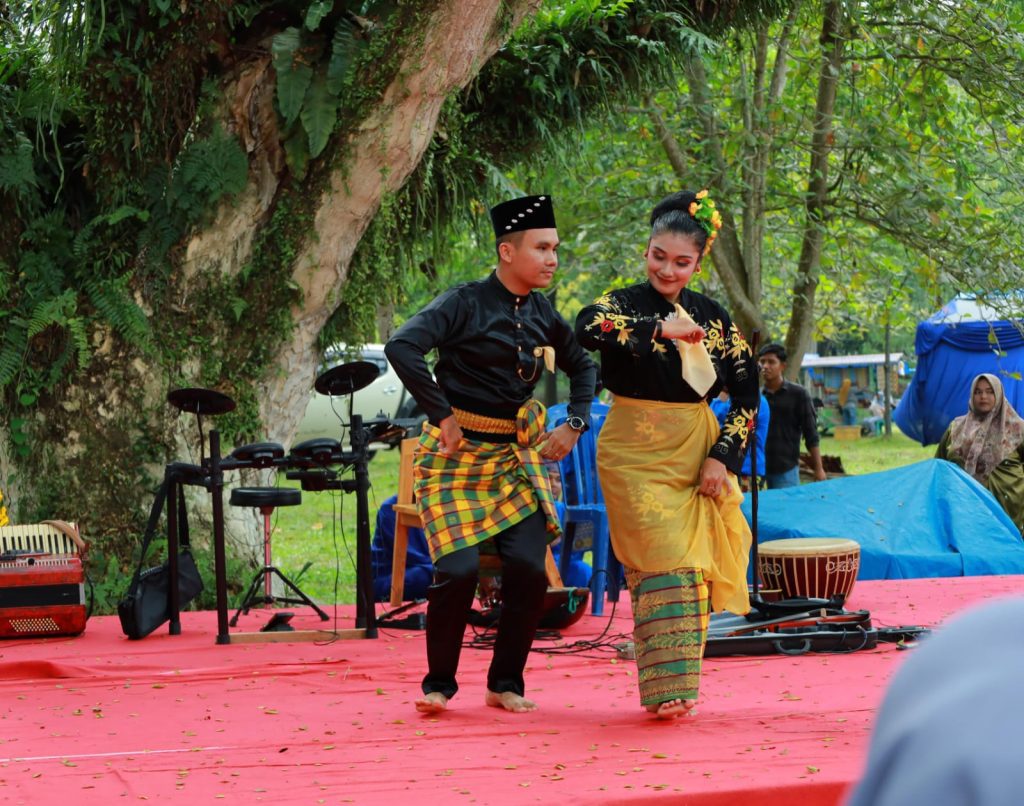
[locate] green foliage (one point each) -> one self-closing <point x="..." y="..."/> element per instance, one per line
<point x="207" y="171"/>
<point x="567" y="71"/>
<point x="315" y="65"/>
<point x="17" y="174"/>
<point x="293" y="75"/>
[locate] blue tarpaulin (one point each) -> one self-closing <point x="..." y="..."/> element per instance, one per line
<point x="954" y="345"/>
<point x="928" y="519"/>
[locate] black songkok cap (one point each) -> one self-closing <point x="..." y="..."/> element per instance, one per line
<point x="529" y="212"/>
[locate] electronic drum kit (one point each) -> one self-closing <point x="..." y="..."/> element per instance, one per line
<point x="317" y="464"/>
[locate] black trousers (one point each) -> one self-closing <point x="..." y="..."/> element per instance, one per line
<point x="522" y="549"/>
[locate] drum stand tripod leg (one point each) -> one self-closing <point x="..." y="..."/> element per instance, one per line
<point x="303" y="599"/>
<point x="251" y="597"/>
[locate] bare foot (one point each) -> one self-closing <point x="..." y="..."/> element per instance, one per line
<point x="670" y="709"/>
<point x="433" y="703"/>
<point x="510" y="701"/>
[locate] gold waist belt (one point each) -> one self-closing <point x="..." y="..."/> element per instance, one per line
<point x="481" y="422"/>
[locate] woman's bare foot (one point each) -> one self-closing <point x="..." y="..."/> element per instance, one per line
<point x="433" y="703"/>
<point x="670" y="709"/>
<point x="510" y="701"/>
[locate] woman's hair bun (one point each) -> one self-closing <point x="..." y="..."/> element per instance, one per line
<point x="680" y="200"/>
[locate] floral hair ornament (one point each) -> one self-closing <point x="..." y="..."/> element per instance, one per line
<point x="704" y="213"/>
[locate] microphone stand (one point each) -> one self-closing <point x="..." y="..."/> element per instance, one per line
<point x="755" y="597"/>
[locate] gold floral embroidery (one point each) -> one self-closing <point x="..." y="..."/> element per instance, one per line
<point x="738" y="346"/>
<point x="649" y="504"/>
<point x="738" y="425"/>
<point x="610" y="319"/>
<point x="714" y="339"/>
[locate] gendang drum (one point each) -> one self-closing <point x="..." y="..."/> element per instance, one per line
<point x="815" y="567"/>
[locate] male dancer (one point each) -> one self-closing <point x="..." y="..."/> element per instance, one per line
<point x="480" y="481"/>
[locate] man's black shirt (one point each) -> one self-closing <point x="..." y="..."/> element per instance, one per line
<point x="792" y="413"/>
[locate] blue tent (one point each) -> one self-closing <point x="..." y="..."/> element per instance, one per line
<point x="928" y="519"/>
<point x="954" y="345"/>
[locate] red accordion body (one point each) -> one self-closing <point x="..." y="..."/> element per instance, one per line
<point x="41" y="594"/>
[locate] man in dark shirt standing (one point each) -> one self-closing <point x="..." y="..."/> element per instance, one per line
<point x="479" y="475"/>
<point x="792" y="414"/>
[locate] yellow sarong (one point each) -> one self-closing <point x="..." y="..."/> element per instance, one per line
<point x="649" y="456"/>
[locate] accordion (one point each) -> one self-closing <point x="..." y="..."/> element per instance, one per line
<point x="42" y="580"/>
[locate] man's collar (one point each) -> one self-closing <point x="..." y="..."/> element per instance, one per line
<point x="499" y="287"/>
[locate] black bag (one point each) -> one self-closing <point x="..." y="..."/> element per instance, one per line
<point x="146" y="604"/>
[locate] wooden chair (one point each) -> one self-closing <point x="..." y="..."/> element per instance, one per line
<point x="407" y="515"/>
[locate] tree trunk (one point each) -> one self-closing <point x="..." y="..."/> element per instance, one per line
<point x="726" y="254"/>
<point x="111" y="433"/>
<point x="801" y="323"/>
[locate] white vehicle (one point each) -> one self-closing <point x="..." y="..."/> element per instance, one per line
<point x="385" y="397"/>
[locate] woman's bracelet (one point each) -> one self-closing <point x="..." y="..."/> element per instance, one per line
<point x="657" y="330"/>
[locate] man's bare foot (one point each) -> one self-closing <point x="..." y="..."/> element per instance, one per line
<point x="670" y="709"/>
<point x="433" y="703"/>
<point x="510" y="701"/>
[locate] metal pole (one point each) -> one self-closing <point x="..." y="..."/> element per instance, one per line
<point x="219" y="554"/>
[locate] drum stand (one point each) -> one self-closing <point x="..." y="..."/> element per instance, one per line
<point x="209" y="474"/>
<point x="314" y="476"/>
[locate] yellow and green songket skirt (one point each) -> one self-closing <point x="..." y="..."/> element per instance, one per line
<point x="684" y="553"/>
<point x="670" y="624"/>
<point x="469" y="496"/>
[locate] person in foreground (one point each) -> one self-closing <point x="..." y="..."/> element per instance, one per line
<point x="988" y="443"/>
<point x="948" y="730"/>
<point x="479" y="476"/>
<point x="666" y="468"/>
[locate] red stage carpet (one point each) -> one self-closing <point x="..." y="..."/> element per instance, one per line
<point x="99" y="719"/>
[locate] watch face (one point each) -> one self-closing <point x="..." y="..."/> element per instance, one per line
<point x="576" y="423"/>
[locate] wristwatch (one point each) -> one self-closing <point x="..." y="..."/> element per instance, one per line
<point x="577" y="423"/>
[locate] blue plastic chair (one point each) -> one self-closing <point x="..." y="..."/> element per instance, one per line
<point x="586" y="519"/>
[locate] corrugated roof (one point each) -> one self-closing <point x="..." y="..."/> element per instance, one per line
<point x="869" y="360"/>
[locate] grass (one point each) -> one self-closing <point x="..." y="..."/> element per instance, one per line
<point x="315" y="543"/>
<point x="872" y="454"/>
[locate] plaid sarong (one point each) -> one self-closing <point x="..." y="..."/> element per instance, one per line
<point x="467" y="497"/>
<point x="670" y="625"/>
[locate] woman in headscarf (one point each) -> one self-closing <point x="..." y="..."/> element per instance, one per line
<point x="666" y="467"/>
<point x="988" y="443"/>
